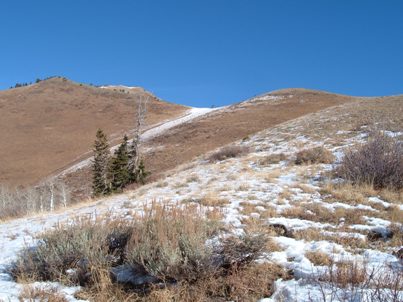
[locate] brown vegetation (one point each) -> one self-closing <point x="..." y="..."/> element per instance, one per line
<point x="228" y="152"/>
<point x="222" y="127"/>
<point x="378" y="163"/>
<point x="46" y="126"/>
<point x="317" y="155"/>
<point x="164" y="249"/>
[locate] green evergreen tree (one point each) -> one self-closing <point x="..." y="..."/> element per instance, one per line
<point x="100" y="184"/>
<point x="119" y="172"/>
<point x="141" y="173"/>
<point x="132" y="161"/>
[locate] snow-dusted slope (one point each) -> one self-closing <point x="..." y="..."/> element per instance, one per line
<point x="252" y="188"/>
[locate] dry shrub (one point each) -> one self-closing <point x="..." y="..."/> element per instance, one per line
<point x="345" y="273"/>
<point x="318" y="258"/>
<point x="165" y="244"/>
<point x="314" y="234"/>
<point x="348" y="193"/>
<point x="41" y="294"/>
<point x="352" y="281"/>
<point x="82" y="246"/>
<point x="317" y="155"/>
<point x="228" y="152"/>
<point x="272" y="159"/>
<point x="212" y="200"/>
<point x="170" y="243"/>
<point x="378" y="163"/>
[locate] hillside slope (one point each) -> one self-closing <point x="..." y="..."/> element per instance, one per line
<point x="45" y="126"/>
<point x="220" y="127"/>
<point x="325" y="223"/>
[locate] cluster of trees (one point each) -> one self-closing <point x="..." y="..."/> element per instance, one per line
<point x="17" y="85"/>
<point x="47" y="196"/>
<point x="113" y="173"/>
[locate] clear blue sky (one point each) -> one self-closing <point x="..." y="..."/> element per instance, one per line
<point x="207" y="52"/>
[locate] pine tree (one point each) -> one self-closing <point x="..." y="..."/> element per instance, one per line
<point x="133" y="160"/>
<point x="119" y="172"/>
<point x="141" y="173"/>
<point x="100" y="184"/>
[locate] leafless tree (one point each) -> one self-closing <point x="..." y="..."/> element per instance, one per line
<point x="142" y="102"/>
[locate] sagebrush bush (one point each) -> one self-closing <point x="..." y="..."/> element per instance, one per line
<point x="165" y="245"/>
<point x="378" y="163"/>
<point x="228" y="152"/>
<point x="317" y="155"/>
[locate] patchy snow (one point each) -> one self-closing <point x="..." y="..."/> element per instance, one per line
<point x="298" y="224"/>
<point x="248" y="189"/>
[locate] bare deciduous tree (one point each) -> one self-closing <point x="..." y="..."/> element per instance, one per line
<point x="135" y="157"/>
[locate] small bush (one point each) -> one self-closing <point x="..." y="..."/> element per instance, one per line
<point x="166" y="245"/>
<point x="272" y="159"/>
<point x="352" y="281"/>
<point x="378" y="163"/>
<point x="318" y="258"/>
<point x="317" y="155"/>
<point x="228" y="152"/>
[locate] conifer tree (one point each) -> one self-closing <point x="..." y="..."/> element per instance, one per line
<point x="119" y="172"/>
<point x="133" y="159"/>
<point x="100" y="184"/>
<point x="141" y="173"/>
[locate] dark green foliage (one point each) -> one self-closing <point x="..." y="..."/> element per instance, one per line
<point x="141" y="173"/>
<point x="113" y="174"/>
<point x="119" y="172"/>
<point x="136" y="167"/>
<point x="100" y="183"/>
<point x="132" y="160"/>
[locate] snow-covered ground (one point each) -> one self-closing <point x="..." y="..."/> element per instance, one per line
<point x="252" y="188"/>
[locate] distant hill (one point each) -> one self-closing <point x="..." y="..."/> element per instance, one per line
<point x="47" y="125"/>
<point x="186" y="141"/>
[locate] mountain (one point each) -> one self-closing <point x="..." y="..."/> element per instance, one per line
<point x="217" y="128"/>
<point x="271" y="222"/>
<point x="47" y="125"/>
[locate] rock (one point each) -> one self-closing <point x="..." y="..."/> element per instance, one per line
<point x="133" y="275"/>
<point x="399" y="254"/>
<point x="379" y="234"/>
<point x="281" y="230"/>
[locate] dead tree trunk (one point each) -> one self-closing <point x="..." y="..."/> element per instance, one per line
<point x="135" y="158"/>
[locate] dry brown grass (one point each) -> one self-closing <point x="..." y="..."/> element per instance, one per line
<point x="213" y="200"/>
<point x="272" y="159"/>
<point x="169" y="243"/>
<point x="347" y="281"/>
<point x="248" y="208"/>
<point x="348" y="193"/>
<point x="314" y="234"/>
<point x="317" y="155"/>
<point x="272" y="175"/>
<point x="221" y="128"/>
<point x="346" y="273"/>
<point x="58" y="120"/>
<point x="228" y="152"/>
<point x="41" y="294"/>
<point x="318" y="258"/>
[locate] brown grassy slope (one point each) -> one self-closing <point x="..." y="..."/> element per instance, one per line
<point x="187" y="141"/>
<point x="48" y="125"/>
